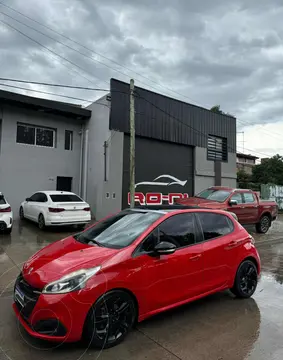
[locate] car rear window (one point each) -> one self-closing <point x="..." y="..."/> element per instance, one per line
<point x="65" y="198"/>
<point x="2" y="200"/>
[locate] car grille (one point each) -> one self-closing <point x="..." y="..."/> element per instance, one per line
<point x="31" y="296"/>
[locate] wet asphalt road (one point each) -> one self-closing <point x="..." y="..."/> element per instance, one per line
<point x="215" y="328"/>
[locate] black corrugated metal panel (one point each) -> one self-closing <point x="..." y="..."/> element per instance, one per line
<point x="164" y="118"/>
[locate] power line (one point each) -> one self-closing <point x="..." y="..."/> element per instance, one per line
<point x="55" y="85"/>
<point x="46" y="92"/>
<point x="49" y="50"/>
<point x="95" y="52"/>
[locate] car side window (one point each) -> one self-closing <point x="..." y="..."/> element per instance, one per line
<point x="249" y="198"/>
<point x="150" y="242"/>
<point x="41" y="197"/>
<point x="179" y="230"/>
<point x="237" y="197"/>
<point x="214" y="225"/>
<point x="35" y="197"/>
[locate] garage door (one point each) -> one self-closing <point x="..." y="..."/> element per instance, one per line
<point x="164" y="171"/>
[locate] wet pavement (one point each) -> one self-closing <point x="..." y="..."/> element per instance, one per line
<point x="216" y="328"/>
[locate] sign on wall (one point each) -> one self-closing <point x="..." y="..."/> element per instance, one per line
<point x="157" y="197"/>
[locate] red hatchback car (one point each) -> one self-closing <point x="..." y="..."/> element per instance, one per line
<point x="97" y="284"/>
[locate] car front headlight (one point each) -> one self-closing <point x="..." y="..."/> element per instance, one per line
<point x="71" y="282"/>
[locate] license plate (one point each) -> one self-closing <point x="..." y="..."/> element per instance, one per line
<point x="19" y="296"/>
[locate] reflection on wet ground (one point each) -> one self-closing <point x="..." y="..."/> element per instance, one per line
<point x="218" y="327"/>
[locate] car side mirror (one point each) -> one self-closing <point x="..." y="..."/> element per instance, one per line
<point x="165" y="248"/>
<point x="27" y="199"/>
<point x="233" y="202"/>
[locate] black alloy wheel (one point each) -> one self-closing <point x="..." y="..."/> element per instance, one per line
<point x="21" y="213"/>
<point x="41" y="222"/>
<point x="246" y="280"/>
<point x="264" y="224"/>
<point x="110" y="319"/>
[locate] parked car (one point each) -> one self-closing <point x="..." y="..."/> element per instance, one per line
<point x="56" y="208"/>
<point x="245" y="204"/>
<point x="97" y="284"/>
<point x="6" y="216"/>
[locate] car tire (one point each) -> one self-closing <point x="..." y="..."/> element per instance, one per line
<point x="8" y="231"/>
<point x="41" y="222"/>
<point x="80" y="227"/>
<point x="97" y="332"/>
<point x="246" y="280"/>
<point x="263" y="225"/>
<point x="21" y="213"/>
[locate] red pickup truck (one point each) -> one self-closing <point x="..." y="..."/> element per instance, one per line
<point x="244" y="203"/>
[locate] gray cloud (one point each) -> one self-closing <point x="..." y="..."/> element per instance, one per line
<point x="212" y="52"/>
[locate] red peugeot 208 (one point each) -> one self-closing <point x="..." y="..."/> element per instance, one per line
<point x="96" y="284"/>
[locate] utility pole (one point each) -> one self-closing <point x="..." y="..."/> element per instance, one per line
<point x="132" y="144"/>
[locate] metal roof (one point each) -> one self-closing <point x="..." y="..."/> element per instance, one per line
<point x="48" y="106"/>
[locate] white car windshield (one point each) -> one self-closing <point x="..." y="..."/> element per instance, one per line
<point x="119" y="230"/>
<point x="2" y="200"/>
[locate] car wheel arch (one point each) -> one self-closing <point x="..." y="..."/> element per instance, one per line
<point x="129" y="292"/>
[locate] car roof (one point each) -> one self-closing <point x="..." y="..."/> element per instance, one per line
<point x="56" y="192"/>
<point x="165" y="209"/>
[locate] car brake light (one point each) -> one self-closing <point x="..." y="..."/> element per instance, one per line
<point x="8" y="209"/>
<point x="56" y="210"/>
<point x="87" y="209"/>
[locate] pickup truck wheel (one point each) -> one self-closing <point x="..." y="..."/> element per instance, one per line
<point x="263" y="225"/>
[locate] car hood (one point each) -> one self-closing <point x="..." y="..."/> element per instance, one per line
<point x="61" y="258"/>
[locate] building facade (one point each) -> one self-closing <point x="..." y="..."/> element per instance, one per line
<point x="41" y="146"/>
<point x="246" y="162"/>
<point x="181" y="149"/>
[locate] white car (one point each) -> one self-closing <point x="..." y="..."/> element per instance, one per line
<point x="6" y="216"/>
<point x="56" y="208"/>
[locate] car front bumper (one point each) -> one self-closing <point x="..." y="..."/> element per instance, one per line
<point x="56" y="318"/>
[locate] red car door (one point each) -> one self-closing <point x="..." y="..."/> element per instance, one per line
<point x="219" y="249"/>
<point x="239" y="208"/>
<point x="169" y="279"/>
<point x="251" y="208"/>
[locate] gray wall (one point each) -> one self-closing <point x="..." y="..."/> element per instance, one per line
<point x="97" y="187"/>
<point x="25" y="169"/>
<point x="205" y="174"/>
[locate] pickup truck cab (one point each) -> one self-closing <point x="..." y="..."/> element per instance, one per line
<point x="244" y="203"/>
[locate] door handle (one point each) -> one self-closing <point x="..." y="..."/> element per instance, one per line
<point x="196" y="257"/>
<point x="232" y="244"/>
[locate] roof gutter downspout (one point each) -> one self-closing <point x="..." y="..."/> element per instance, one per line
<point x="85" y="168"/>
<point x="81" y="160"/>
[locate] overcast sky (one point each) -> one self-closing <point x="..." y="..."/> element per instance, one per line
<point x="204" y="52"/>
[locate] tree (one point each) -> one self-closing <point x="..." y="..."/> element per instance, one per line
<point x="216" y="109"/>
<point x="269" y="172"/>
<point x="243" y="177"/>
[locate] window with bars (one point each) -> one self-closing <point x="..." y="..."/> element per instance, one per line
<point x="217" y="148"/>
<point x="34" y="135"/>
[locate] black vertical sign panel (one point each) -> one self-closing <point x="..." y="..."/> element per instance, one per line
<point x="167" y="165"/>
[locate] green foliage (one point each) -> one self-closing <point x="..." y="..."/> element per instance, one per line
<point x="244" y="181"/>
<point x="269" y="172"/>
<point x="216" y="109"/>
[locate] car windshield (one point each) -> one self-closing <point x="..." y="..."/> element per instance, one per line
<point x="2" y="200"/>
<point x="214" y="194"/>
<point x="120" y="230"/>
<point x="65" y="198"/>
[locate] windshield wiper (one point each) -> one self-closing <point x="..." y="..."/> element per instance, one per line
<point x="84" y="239"/>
